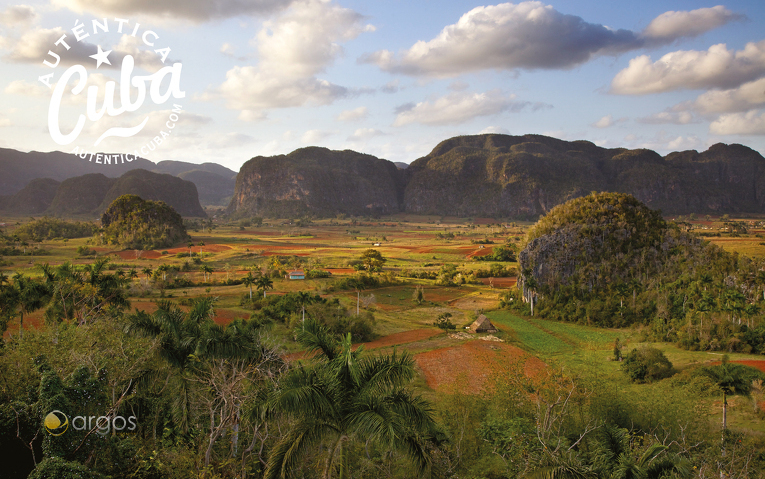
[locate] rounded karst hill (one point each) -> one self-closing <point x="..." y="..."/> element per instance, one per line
<point x="138" y="224"/>
<point x="180" y="194"/>
<point x="593" y="242"/>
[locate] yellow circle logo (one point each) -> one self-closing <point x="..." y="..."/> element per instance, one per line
<point x="56" y="423"/>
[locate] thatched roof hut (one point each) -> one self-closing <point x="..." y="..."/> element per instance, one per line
<point x="482" y="325"/>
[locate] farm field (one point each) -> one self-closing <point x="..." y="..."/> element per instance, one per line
<point x="414" y="247"/>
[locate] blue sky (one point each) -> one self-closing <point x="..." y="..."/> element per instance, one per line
<point x="394" y="78"/>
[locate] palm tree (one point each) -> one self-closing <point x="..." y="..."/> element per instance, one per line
<point x="201" y="243"/>
<point x="163" y="269"/>
<point x="304" y="297"/>
<point x="190" y="245"/>
<point x="264" y="283"/>
<point x="190" y="341"/>
<point x="344" y="397"/>
<point x="132" y="274"/>
<point x="614" y="457"/>
<point x="181" y="335"/>
<point x="28" y="296"/>
<point x="731" y="378"/>
<point x="206" y="269"/>
<point x="248" y="281"/>
<point x="147" y="271"/>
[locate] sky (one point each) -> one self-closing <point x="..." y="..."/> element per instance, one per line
<point x="227" y="80"/>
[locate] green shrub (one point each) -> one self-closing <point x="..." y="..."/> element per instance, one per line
<point x="647" y="365"/>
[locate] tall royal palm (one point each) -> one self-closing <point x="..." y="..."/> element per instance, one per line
<point x="343" y="397"/>
<point x="28" y="295"/>
<point x="248" y="281"/>
<point x="264" y="283"/>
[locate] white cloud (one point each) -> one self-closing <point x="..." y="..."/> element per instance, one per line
<point x="33" y="47"/>
<point x="528" y="35"/>
<point x="157" y="122"/>
<point x="664" y="143"/>
<point x="315" y="136"/>
<point x="749" y="123"/>
<point x="457" y="107"/>
<point x="38" y="90"/>
<point x="682" y="143"/>
<point x="18" y="15"/>
<point x="365" y="133"/>
<point x="229" y="140"/>
<point x="744" y="98"/>
<point x="249" y="88"/>
<point x="497" y="130"/>
<point x="670" y="26"/>
<point x="458" y="85"/>
<point x="608" y="121"/>
<point x="668" y="117"/>
<point x="717" y="67"/>
<point x="194" y="10"/>
<point x="146" y="59"/>
<point x="252" y="115"/>
<point x="5" y="122"/>
<point x="24" y="88"/>
<point x="391" y="87"/>
<point x="531" y="35"/>
<point x="293" y="49"/>
<point x="356" y="114"/>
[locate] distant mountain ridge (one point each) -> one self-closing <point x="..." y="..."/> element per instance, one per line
<point x="19" y="168"/>
<point x="91" y="194"/>
<point x="500" y="176"/>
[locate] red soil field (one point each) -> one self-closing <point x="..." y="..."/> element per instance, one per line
<point x="472" y="366"/>
<point x="340" y="270"/>
<point x="402" y="338"/>
<point x="481" y="252"/>
<point x="130" y="254"/>
<point x="225" y="316"/>
<point x="210" y="248"/>
<point x="500" y="282"/>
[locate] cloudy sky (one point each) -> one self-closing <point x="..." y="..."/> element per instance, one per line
<point x="392" y="79"/>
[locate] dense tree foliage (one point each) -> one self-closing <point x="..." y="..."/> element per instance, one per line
<point x="49" y="228"/>
<point x="647" y="365"/>
<point x="607" y="260"/>
<point x="137" y="224"/>
<point x="346" y="397"/>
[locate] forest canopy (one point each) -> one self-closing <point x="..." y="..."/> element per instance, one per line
<point x="139" y="224"/>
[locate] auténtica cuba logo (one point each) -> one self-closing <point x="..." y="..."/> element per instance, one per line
<point x="57" y="423"/>
<point x="138" y="47"/>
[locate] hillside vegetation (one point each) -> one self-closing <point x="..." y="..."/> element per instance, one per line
<point x="138" y="224"/>
<point x="608" y="260"/>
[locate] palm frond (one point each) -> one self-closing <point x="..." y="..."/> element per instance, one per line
<point x="288" y="451"/>
<point x="316" y="338"/>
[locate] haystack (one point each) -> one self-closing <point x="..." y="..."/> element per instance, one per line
<point x="482" y="325"/>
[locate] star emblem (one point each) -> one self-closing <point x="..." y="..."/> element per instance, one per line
<point x="101" y="57"/>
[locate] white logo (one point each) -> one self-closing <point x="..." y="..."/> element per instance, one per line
<point x="159" y="86"/>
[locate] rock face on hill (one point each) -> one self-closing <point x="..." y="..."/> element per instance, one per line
<point x="317" y="180"/>
<point x="525" y="176"/>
